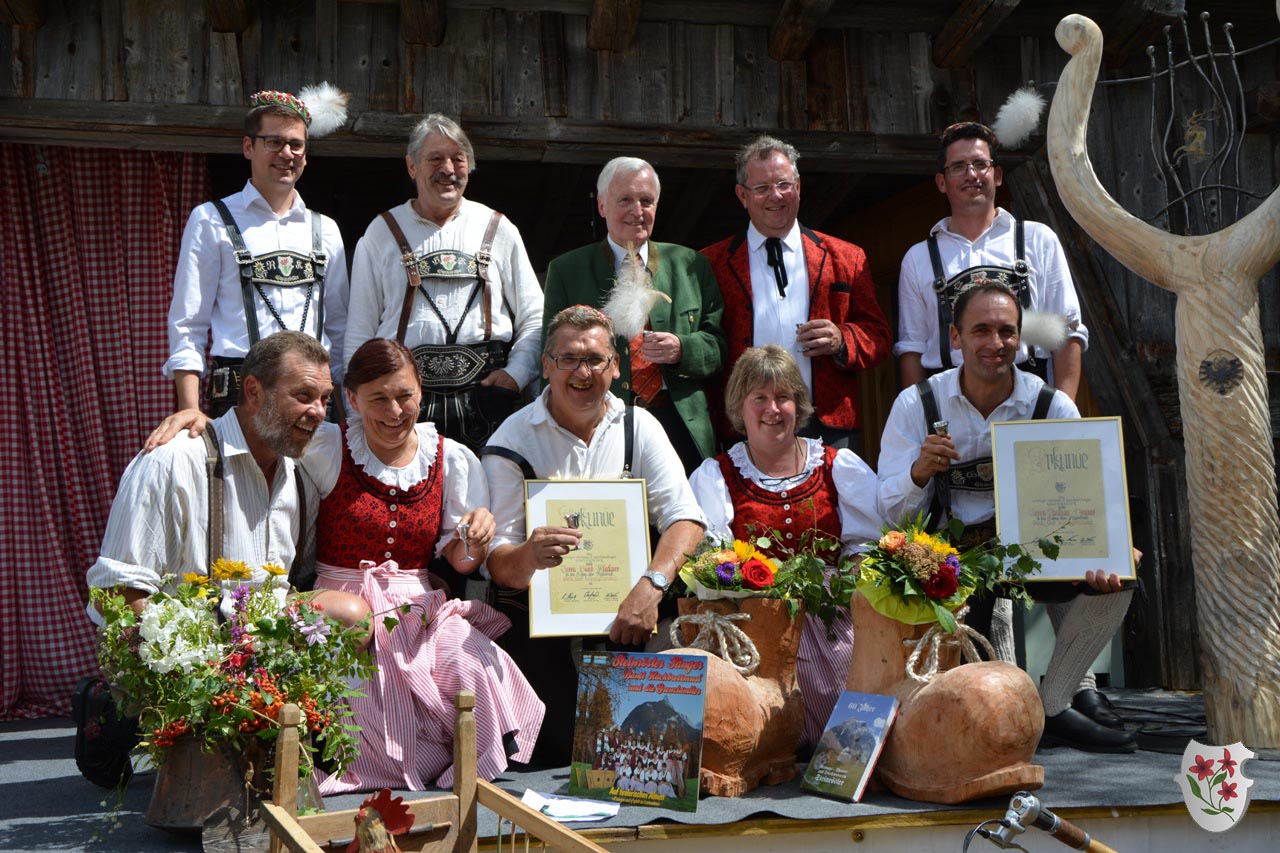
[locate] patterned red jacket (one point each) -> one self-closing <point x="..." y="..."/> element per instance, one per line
<point x="840" y="290"/>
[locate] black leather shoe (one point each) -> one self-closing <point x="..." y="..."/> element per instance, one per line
<point x="1097" y="707"/>
<point x="1071" y="728"/>
<point x="104" y="738"/>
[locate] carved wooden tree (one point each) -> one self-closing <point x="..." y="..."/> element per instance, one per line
<point x="1223" y="393"/>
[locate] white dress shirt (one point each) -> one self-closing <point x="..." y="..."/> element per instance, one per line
<point x="207" y="296"/>
<point x="160" y="516"/>
<point x="464" y="484"/>
<point x="776" y="317"/>
<point x="898" y="495"/>
<point x="1048" y="276"/>
<point x="378" y="282"/>
<point x="557" y="454"/>
<point x="855" y="484"/>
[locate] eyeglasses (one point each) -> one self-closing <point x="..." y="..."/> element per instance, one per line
<point x="276" y="144"/>
<point x="980" y="168"/>
<point x="760" y="190"/>
<point x="594" y="363"/>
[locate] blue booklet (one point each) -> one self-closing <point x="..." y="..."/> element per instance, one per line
<point x="637" y="737"/>
<point x="850" y="746"/>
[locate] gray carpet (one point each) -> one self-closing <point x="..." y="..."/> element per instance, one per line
<point x="46" y="805"/>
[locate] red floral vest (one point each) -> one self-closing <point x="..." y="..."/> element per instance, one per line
<point x="812" y="504"/>
<point x="365" y="519"/>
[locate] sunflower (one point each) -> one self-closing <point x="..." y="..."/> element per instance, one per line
<point x="230" y="570"/>
<point x="746" y="551"/>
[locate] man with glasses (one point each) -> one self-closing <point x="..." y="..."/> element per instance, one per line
<point x="577" y="429"/>
<point x="982" y="242"/>
<point x="810" y="293"/>
<point x="258" y="261"/>
<point x="664" y="368"/>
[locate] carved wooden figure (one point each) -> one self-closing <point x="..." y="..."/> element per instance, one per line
<point x="1223" y="393"/>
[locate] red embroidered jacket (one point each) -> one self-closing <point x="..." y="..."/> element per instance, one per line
<point x="840" y="290"/>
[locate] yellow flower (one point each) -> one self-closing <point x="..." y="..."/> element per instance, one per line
<point x="939" y="547"/>
<point x="229" y="570"/>
<point x="195" y="578"/>
<point x="744" y="551"/>
<point x="273" y="569"/>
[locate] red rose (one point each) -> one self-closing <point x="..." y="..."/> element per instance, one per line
<point x="756" y="574"/>
<point x="943" y="584"/>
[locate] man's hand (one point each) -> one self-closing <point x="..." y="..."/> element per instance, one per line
<point x="1103" y="582"/>
<point x="480" y="527"/>
<point x="637" y="615"/>
<point x="936" y="455"/>
<point x="819" y="337"/>
<point x="662" y="348"/>
<point x="480" y="530"/>
<point x="548" y="545"/>
<point x="192" y="420"/>
<point x="502" y="379"/>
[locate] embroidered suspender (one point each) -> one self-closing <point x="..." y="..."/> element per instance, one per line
<point x="244" y="262"/>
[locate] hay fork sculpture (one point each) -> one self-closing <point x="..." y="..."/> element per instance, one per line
<point x="1223" y="394"/>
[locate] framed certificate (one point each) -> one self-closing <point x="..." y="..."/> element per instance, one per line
<point x="1064" y="478"/>
<point x="582" y="594"/>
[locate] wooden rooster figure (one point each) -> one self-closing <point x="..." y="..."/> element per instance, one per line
<point x="379" y="819"/>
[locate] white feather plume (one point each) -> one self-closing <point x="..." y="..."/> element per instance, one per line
<point x="631" y="298"/>
<point x="1018" y="118"/>
<point x="328" y="107"/>
<point x="1044" y="329"/>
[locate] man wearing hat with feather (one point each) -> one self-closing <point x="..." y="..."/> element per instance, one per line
<point x="982" y="242"/>
<point x="663" y="301"/>
<point x="258" y="261"/>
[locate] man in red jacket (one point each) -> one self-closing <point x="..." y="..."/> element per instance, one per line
<point x="808" y="292"/>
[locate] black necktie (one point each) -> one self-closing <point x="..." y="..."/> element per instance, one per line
<point x="773" y="247"/>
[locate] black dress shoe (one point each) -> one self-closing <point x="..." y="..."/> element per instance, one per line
<point x="1097" y="707"/>
<point x="1071" y="728"/>
<point x="104" y="737"/>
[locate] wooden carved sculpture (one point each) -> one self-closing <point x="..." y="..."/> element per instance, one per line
<point x="1223" y="394"/>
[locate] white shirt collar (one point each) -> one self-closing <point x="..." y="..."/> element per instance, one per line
<point x="252" y="198"/>
<point x="792" y="241"/>
<point x="1003" y="221"/>
<point x="620" y="254"/>
<point x="1025" y="386"/>
<point x="230" y="435"/>
<point x="614" y="408"/>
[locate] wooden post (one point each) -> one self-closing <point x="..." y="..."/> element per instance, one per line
<point x="422" y="22"/>
<point x="23" y="14"/>
<point x="795" y="27"/>
<point x="1222" y="387"/>
<point x="612" y="24"/>
<point x="464" y="769"/>
<point x="284" y="791"/>
<point x="968" y="29"/>
<point x="227" y="16"/>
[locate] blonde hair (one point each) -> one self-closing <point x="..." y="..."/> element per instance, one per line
<point x="761" y="366"/>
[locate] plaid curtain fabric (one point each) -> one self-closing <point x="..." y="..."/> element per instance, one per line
<point x="88" y="245"/>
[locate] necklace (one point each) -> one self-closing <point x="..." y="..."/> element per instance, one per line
<point x="777" y="481"/>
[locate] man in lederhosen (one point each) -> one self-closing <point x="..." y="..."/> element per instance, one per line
<point x="450" y="279"/>
<point x="258" y="261"/>
<point x="980" y="242"/>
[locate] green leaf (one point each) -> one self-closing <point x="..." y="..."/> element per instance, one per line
<point x="1228" y="809"/>
<point x="1211" y="811"/>
<point x="945" y="617"/>
<point x="390" y="623"/>
<point x="1195" y="786"/>
<point x="1217" y="780"/>
<point x="1049" y="548"/>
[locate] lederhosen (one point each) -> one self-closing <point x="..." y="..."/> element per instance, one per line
<point x="280" y="268"/>
<point x="947" y="290"/>
<point x="547" y="662"/>
<point x="452" y="397"/>
<point x="976" y="475"/>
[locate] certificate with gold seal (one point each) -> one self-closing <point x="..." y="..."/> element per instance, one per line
<point x="582" y="594"/>
<point x="1064" y="478"/>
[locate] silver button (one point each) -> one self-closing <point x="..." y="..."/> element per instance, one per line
<point x="388" y="555"/>
<point x="784" y="494"/>
<point x="391" y="540"/>
<point x="788" y="536"/>
<point x="786" y="506"/>
<point x="788" y="521"/>
<point x="392" y="492"/>
<point x="393" y="507"/>
<point x="391" y="524"/>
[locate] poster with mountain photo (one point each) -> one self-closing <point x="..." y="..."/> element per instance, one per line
<point x="637" y="736"/>
<point x="849" y="747"/>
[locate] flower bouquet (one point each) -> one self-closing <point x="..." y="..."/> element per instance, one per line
<point x="917" y="577"/>
<point x="183" y="670"/>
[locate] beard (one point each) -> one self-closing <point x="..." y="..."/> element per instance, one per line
<point x="276" y="432"/>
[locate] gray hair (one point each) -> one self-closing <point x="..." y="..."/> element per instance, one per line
<point x="265" y="360"/>
<point x="625" y="166"/>
<point x="446" y="127"/>
<point x="582" y="318"/>
<point x="761" y="366"/>
<point x="761" y="149"/>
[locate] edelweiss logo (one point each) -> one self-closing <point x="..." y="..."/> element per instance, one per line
<point x="1213" y="784"/>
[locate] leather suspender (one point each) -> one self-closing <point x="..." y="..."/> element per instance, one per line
<point x="320" y="263"/>
<point x="629" y="440"/>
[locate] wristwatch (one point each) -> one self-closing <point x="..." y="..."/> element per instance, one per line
<point x="658" y="579"/>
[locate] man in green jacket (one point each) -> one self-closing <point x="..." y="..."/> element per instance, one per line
<point x="666" y="367"/>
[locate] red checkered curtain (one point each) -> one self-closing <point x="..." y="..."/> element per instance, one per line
<point x="88" y="245"/>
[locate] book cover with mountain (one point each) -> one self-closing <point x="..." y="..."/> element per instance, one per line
<point x="637" y="736"/>
<point x="849" y="747"/>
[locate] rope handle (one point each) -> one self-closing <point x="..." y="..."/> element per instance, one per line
<point x="730" y="643"/>
<point x="935" y="638"/>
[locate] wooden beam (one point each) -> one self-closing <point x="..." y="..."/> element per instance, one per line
<point x="1136" y="24"/>
<point x="968" y="29"/>
<point x="422" y="22"/>
<point x="795" y="27"/>
<point x="613" y="24"/>
<point x="23" y="14"/>
<point x="555" y="87"/>
<point x="227" y="16"/>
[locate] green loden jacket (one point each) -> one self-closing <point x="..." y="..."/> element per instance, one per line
<point x="585" y="276"/>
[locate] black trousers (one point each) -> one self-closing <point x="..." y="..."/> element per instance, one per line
<point x="677" y="431"/>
